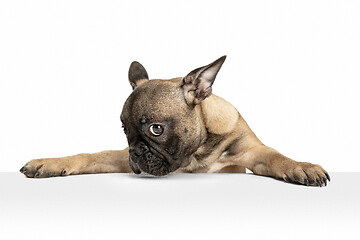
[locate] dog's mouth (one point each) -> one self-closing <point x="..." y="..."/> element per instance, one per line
<point x="151" y="162"/>
<point x="152" y="165"/>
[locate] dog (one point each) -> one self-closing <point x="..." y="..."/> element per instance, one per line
<point x="179" y="126"/>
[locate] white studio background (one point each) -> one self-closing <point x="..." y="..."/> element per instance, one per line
<point x="292" y="71"/>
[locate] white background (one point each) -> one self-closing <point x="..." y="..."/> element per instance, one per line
<point x="178" y="206"/>
<point x="292" y="71"/>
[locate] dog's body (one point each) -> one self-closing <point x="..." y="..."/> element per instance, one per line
<point x="177" y="125"/>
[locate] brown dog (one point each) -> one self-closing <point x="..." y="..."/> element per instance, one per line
<point x="177" y="125"/>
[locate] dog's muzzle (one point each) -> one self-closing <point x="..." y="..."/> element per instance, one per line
<point x="146" y="159"/>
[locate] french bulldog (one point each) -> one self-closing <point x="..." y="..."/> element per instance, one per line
<point x="179" y="126"/>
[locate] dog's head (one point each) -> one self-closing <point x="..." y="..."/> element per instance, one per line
<point x="161" y="118"/>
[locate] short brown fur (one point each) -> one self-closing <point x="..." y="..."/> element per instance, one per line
<point x="224" y="142"/>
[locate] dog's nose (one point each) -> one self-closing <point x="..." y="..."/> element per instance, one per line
<point x="143" y="148"/>
<point x="139" y="149"/>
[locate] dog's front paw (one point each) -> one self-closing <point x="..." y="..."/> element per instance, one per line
<point x="42" y="168"/>
<point x="306" y="173"/>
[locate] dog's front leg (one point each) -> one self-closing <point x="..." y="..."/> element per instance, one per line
<point x="102" y="162"/>
<point x="265" y="161"/>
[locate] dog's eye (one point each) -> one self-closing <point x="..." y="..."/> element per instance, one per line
<point x="156" y="129"/>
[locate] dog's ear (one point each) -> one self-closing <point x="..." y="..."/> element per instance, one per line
<point x="197" y="84"/>
<point x="137" y="74"/>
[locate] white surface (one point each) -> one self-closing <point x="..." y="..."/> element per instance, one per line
<point x="183" y="206"/>
<point x="292" y="71"/>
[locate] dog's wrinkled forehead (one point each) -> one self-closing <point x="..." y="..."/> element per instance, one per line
<point x="156" y="100"/>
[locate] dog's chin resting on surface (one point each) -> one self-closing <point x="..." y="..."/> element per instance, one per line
<point x="179" y="126"/>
